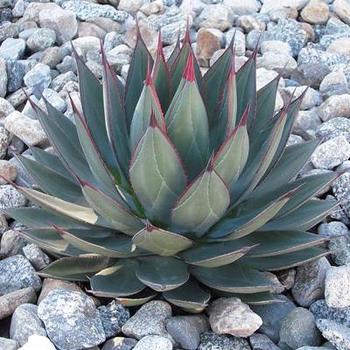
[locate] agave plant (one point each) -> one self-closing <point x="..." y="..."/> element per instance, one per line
<point x="174" y="183"/>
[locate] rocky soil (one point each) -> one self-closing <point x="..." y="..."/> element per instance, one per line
<point x="306" y="41"/>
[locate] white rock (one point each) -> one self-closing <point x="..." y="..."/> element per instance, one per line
<point x="130" y="5"/>
<point x="231" y="316"/>
<point x="12" y="49"/>
<point x="281" y="63"/>
<point x="3" y="77"/>
<point x="341" y="45"/>
<point x="85" y="44"/>
<point x="239" y="42"/>
<point x="342" y="9"/>
<point x="315" y="12"/>
<point x="63" y="22"/>
<point x="337" y="286"/>
<point x="5" y="108"/>
<point x="332" y="153"/>
<point x="154" y="342"/>
<point x="7" y="170"/>
<point x="36" y="342"/>
<point x="273" y="5"/>
<point x="26" y="129"/>
<point x="276" y="46"/>
<point x="216" y="16"/>
<point x="334" y="83"/>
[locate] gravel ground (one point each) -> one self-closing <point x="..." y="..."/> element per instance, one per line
<point x="306" y="41"/>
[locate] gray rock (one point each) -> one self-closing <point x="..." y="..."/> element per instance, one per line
<point x="15" y="73"/>
<point x="262" y="342"/>
<point x="119" y="343"/>
<point x="186" y="330"/>
<point x="289" y="31"/>
<point x="3" y="78"/>
<point x="309" y="282"/>
<point x="36" y="256"/>
<point x="273" y="315"/>
<point x="281" y="63"/>
<point x="149" y="319"/>
<point x="39" y="342"/>
<point x="341" y="190"/>
<point x="113" y="317"/>
<point x="67" y="64"/>
<point x="212" y="341"/>
<point x="11" y="198"/>
<point x="299" y="329"/>
<point x="231" y="316"/>
<point x="8" y="344"/>
<point x="25" y="322"/>
<point x="71" y="320"/>
<point x="63" y="22"/>
<point x="306" y="123"/>
<point x="339" y="243"/>
<point x="16" y="272"/>
<point x="41" y="39"/>
<point x="38" y="78"/>
<point x="321" y="310"/>
<point x="51" y="56"/>
<point x="333" y="128"/>
<point x="5" y="139"/>
<point x="12" y="49"/>
<point x="8" y="30"/>
<point x="155" y="342"/>
<point x="334" y="83"/>
<point x="85" y="10"/>
<point x="62" y="79"/>
<point x="337" y="285"/>
<point x="215" y="16"/>
<point x="9" y="302"/>
<point x="331" y="153"/>
<point x="12" y="243"/>
<point x="338" y="335"/>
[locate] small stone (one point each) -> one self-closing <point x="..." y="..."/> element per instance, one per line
<point x="334" y="83"/>
<point x="9" y="302"/>
<point x="38" y="78"/>
<point x="341" y="45"/>
<point x="212" y="341"/>
<point x="8" y="344"/>
<point x="209" y="40"/>
<point x="262" y="342"/>
<point x="335" y="106"/>
<point x="243" y="7"/>
<point x="113" y="317"/>
<point x="36" y="256"/>
<point x="333" y="128"/>
<point x="215" y="16"/>
<point x="287" y="278"/>
<point x="63" y="22"/>
<point x="276" y="46"/>
<point x="309" y="282"/>
<point x="322" y="311"/>
<point x="272" y="316"/>
<point x="85" y="44"/>
<point x="8" y="30"/>
<point x="154" y="342"/>
<point x="12" y="49"/>
<point x="331" y="153"/>
<point x="68" y="64"/>
<point x="299" y="329"/>
<point x="36" y="342"/>
<point x="130" y="5"/>
<point x="50" y="284"/>
<point x="5" y="108"/>
<point x="26" y="129"/>
<point x="41" y="39"/>
<point x="4" y="141"/>
<point x="16" y="273"/>
<point x="11" y="198"/>
<point x="51" y="56"/>
<point x="25" y="322"/>
<point x="76" y="325"/>
<point x="272" y="5"/>
<point x="312" y="97"/>
<point x="239" y="43"/>
<point x="86" y="11"/>
<point x="119" y="56"/>
<point x="341" y="191"/>
<point x="338" y="335"/>
<point x="186" y="330"/>
<point x="12" y="243"/>
<point x="15" y="73"/>
<point x="54" y="99"/>
<point x="281" y="63"/>
<point x="315" y="12"/>
<point x="61" y="80"/>
<point x="306" y="123"/>
<point x="342" y="9"/>
<point x="153" y="7"/>
<point x="250" y="22"/>
<point x="231" y="316"/>
<point x="337" y="284"/>
<point x="149" y="319"/>
<point x="119" y="343"/>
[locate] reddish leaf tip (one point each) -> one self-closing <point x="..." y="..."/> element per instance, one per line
<point x="160" y="44"/>
<point x="189" y="73"/>
<point x="153" y="121"/>
<point x="148" y="80"/>
<point x="244" y="118"/>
